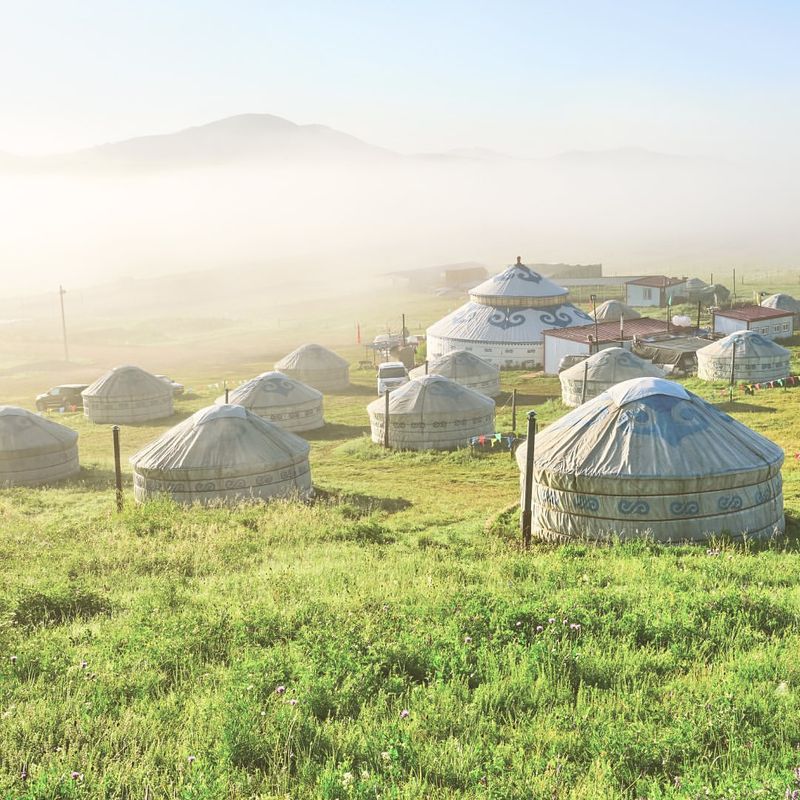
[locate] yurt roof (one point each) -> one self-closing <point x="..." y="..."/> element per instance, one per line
<point x="23" y="430"/>
<point x="649" y="429"/>
<point x="484" y="323"/>
<point x="458" y="365"/>
<point x="612" y="365"/>
<point x="272" y="389"/>
<point x="128" y="381"/>
<point x="433" y="394"/>
<point x="517" y="281"/>
<point x="612" y="310"/>
<point x="784" y="302"/>
<point x="311" y="356"/>
<point x="748" y="344"/>
<point x="695" y="284"/>
<point x="225" y="436"/>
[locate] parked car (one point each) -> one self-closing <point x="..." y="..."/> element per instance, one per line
<point x="177" y="388"/>
<point x="67" y="397"/>
<point x="391" y="374"/>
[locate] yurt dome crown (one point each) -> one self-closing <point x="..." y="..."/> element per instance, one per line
<point x="435" y="393"/>
<point x="128" y="380"/>
<point x="311" y="356"/>
<point x="272" y="389"/>
<point x="518" y="285"/>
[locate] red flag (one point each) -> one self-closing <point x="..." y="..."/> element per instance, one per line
<point x="358" y="333"/>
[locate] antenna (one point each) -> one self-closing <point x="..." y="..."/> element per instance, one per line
<point x="61" y="292"/>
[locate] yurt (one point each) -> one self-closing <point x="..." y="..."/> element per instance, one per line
<point x="649" y="459"/>
<point x="614" y="310"/>
<point x="784" y="302"/>
<point x="432" y="413"/>
<point x="756" y="358"/>
<point x="127" y="394"/>
<point x="504" y="319"/>
<point x="601" y="371"/>
<point x="465" y="368"/>
<point x="278" y="398"/>
<point x="34" y="450"/>
<point x="223" y="454"/>
<point x="316" y="366"/>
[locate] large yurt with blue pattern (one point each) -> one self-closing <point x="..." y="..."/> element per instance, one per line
<point x="431" y="413"/>
<point x="601" y="371"/>
<point x="503" y="321"/>
<point x="223" y="454"/>
<point x="280" y="399"/>
<point x="751" y="356"/>
<point x="648" y="459"/>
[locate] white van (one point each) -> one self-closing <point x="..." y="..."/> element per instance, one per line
<point x="391" y="374"/>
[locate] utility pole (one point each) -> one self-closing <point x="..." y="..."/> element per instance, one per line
<point x="61" y="292"/>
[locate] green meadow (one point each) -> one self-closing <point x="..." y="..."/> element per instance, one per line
<point x="389" y="639"/>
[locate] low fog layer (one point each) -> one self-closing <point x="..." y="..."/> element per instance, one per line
<point x="301" y="203"/>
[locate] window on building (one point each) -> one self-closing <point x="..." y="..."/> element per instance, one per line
<point x="647" y="294"/>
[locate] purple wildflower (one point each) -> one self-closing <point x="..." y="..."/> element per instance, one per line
<point x="405" y="713"/>
<point x="294" y="701"/>
<point x="539" y="628"/>
<point x="280" y="690"/>
<point x="467" y="639"/>
<point x="191" y="759"/>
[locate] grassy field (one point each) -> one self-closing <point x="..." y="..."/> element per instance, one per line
<point x="389" y="640"/>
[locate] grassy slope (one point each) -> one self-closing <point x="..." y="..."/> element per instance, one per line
<point x="388" y="594"/>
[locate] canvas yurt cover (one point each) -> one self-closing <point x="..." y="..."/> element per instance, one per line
<point x="601" y="371"/>
<point x="783" y="302"/>
<point x="503" y="321"/>
<point x="316" y="366"/>
<point x="757" y="359"/>
<point x="432" y="413"/>
<point x="464" y="368"/>
<point x="223" y="454"/>
<point x="127" y="395"/>
<point x="649" y="459"/>
<point x="614" y="310"/>
<point x="34" y="450"/>
<point x="278" y="398"/>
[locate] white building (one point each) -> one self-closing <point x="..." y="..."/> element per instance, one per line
<point x="653" y="290"/>
<point x="504" y="319"/>
<point x="770" y="322"/>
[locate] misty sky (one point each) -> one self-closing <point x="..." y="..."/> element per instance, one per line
<point x="528" y="78"/>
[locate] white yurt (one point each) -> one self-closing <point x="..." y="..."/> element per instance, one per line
<point x="601" y="371"/>
<point x="316" y="366"/>
<point x="223" y="454"/>
<point x="614" y="310"/>
<point x="465" y="368"/>
<point x="278" y="398"/>
<point x="126" y="395"/>
<point x="432" y="413"/>
<point x="504" y="319"/>
<point x="35" y="450"/>
<point x="649" y="459"/>
<point x="783" y="302"/>
<point x="756" y="359"/>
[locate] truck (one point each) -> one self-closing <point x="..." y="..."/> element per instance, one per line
<point x="391" y="375"/>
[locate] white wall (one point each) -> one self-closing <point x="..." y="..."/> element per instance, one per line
<point x="778" y="328"/>
<point x="642" y="295"/>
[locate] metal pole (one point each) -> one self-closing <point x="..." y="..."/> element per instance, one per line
<point x="734" y="283"/>
<point x="426" y="366"/>
<point x="514" y="410"/>
<point x="585" y="378"/>
<point x="733" y="372"/>
<point x="386" y="420"/>
<point x="403" y="331"/>
<point x="117" y="467"/>
<point x="227" y="394"/>
<point x="61" y="293"/>
<point x="527" y="497"/>
<point x="593" y="298"/>
<point x="699" y="304"/>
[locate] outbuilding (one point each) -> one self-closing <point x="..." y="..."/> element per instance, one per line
<point x="774" y="323"/>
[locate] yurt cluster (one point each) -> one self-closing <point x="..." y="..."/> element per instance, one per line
<point x="637" y="456"/>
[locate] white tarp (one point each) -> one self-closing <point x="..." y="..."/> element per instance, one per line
<point x="757" y="359"/>
<point x="601" y="371"/>
<point x="316" y="366"/>
<point x="127" y="394"/>
<point x="648" y="458"/>
<point x="432" y="413"/>
<point x="280" y="399"/>
<point x="613" y="310"/>
<point x="465" y="368"/>
<point x="223" y="454"/>
<point x="34" y="450"/>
